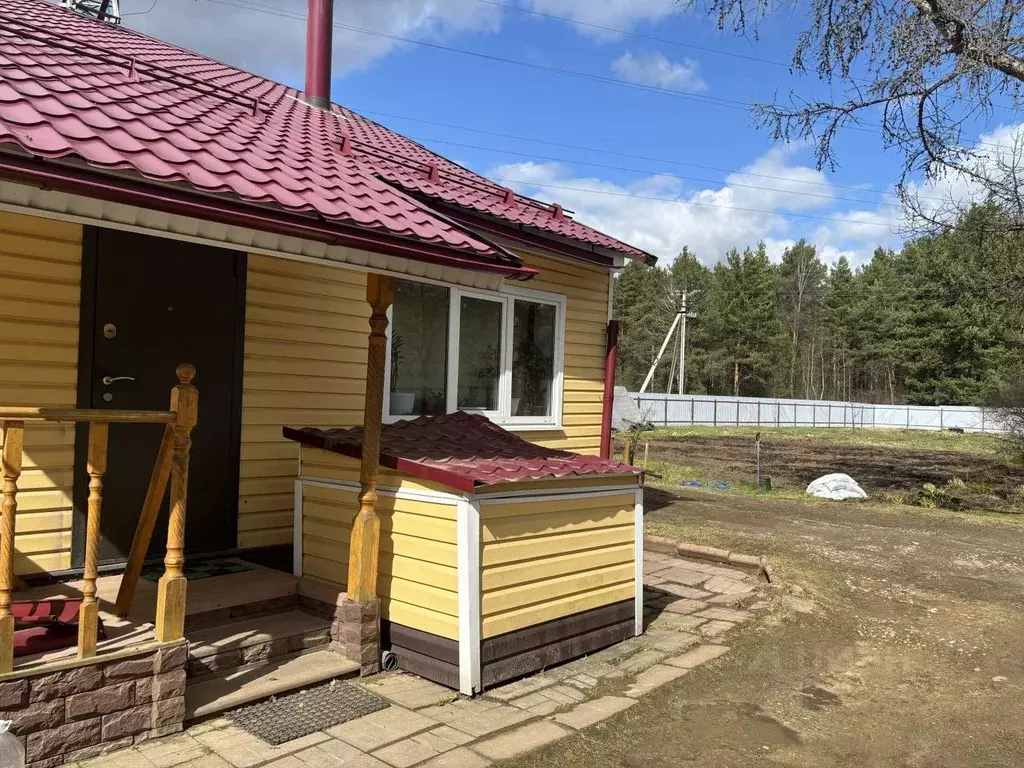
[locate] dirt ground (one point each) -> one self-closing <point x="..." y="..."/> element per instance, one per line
<point x="981" y="481"/>
<point x="896" y="641"/>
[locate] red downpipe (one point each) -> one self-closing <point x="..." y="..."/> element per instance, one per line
<point x="608" y="399"/>
<point x="319" y="35"/>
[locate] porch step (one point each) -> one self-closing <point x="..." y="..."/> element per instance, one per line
<point x="254" y="641"/>
<point x="243" y="685"/>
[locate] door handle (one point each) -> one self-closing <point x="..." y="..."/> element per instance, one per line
<point x="108" y="380"/>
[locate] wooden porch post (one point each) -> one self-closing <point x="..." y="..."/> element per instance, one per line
<point x="365" y="541"/>
<point x="14" y="441"/>
<point x="170" y="602"/>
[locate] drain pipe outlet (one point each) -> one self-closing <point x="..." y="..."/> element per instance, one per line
<point x="388" y="661"/>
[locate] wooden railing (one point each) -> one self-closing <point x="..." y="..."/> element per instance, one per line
<point x="171" y="463"/>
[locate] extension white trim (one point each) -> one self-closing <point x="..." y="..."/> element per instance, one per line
<point x="638" y="563"/>
<point x="297" y="531"/>
<point x="469" y="595"/>
<point x="515" y="497"/>
<point x="437" y="497"/>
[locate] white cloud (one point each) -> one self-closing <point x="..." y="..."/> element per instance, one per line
<point x="711" y="221"/>
<point x="655" y="69"/>
<point x="617" y="14"/>
<point x="273" y="44"/>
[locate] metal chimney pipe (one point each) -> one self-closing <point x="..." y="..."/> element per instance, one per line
<point x="319" y="34"/>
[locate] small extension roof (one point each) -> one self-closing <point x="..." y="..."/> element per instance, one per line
<point x="97" y="100"/>
<point x="460" y="450"/>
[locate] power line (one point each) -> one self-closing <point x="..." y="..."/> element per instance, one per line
<point x="614" y="153"/>
<point x="658" y="173"/>
<point x="702" y="99"/>
<point x="141" y="13"/>
<point x="665" y="40"/>
<point x="546" y="185"/>
<point x="672" y="92"/>
<point x="642" y="36"/>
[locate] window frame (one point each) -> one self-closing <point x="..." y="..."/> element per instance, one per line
<point x="507" y="297"/>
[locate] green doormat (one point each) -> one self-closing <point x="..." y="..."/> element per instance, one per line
<point x="299" y="714"/>
<point x="201" y="569"/>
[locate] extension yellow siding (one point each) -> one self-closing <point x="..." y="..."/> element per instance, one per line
<point x="41" y="264"/>
<point x="586" y="318"/>
<point x="418" y="568"/>
<point x="543" y="560"/>
<point x="334" y="466"/>
<point x="305" y="365"/>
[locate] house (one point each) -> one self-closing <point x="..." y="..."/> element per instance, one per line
<point x="171" y="224"/>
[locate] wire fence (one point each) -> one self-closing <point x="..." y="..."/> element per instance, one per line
<point x="712" y="410"/>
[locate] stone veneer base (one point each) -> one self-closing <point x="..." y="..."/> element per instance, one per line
<point x="77" y="711"/>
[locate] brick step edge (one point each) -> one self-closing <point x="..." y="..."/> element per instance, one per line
<point x="668" y="546"/>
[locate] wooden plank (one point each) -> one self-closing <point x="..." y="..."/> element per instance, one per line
<point x="284" y="385"/>
<point x="36" y="266"/>
<point x="40" y="227"/>
<point x="420" y="617"/>
<point x="535" y="614"/>
<point x="256" y="346"/>
<point x="539" y="569"/>
<point x="155" y="492"/>
<point x="519" y="596"/>
<point x="36" y="310"/>
<point x="582" y="504"/>
<point x="434" y="646"/>
<point x="517" y="550"/>
<point x="72" y="415"/>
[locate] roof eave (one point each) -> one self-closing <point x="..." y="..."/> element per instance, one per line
<point x="52" y="174"/>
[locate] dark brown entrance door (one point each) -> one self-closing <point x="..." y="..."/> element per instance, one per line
<point x="149" y="304"/>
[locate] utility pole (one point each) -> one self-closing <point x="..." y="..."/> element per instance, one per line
<point x="683" y="314"/>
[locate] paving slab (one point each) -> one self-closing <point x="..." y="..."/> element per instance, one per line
<point x="457" y="758"/>
<point x="698" y="656"/>
<point x="725" y="614"/>
<point x="685" y="605"/>
<point x="381" y="728"/>
<point x="653" y="678"/>
<point x="524" y="739"/>
<point x="409" y="691"/>
<point x="590" y="712"/>
<point x="715" y="629"/>
<point x="405" y="753"/>
<point x="642" y="660"/>
<point x="681" y="590"/>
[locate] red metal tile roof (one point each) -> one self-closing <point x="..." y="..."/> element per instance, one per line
<point x="460" y="450"/>
<point x="75" y="89"/>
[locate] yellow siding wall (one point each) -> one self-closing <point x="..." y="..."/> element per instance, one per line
<point x="41" y="264"/>
<point x="545" y="560"/>
<point x="418" y="571"/>
<point x="586" y="320"/>
<point x="334" y="466"/>
<point x="305" y="365"/>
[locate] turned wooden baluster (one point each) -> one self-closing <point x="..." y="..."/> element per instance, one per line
<point x="14" y="441"/>
<point x="88" y="615"/>
<point x="365" y="541"/>
<point x="170" y="602"/>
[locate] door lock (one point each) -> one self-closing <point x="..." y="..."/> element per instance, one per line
<point x="108" y="380"/>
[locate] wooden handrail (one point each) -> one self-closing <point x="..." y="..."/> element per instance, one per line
<point x="172" y="462"/>
<point x="86" y="415"/>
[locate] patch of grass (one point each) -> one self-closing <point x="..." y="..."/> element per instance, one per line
<point x="914" y="439"/>
<point x="668" y="475"/>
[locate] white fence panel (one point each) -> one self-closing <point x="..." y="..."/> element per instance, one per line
<point x="710" y="410"/>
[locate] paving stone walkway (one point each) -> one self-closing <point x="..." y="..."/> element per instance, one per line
<point x="689" y="608"/>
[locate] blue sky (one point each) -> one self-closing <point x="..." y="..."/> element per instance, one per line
<point x="748" y="187"/>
